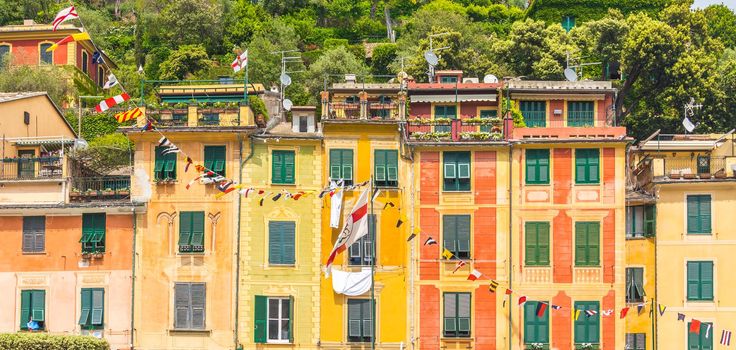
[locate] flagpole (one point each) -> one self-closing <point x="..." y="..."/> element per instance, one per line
<point x="373" y="268"/>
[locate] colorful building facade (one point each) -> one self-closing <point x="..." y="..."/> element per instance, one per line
<point x="68" y="254"/>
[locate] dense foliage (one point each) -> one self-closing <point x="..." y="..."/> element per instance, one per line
<point x="39" y="341"/>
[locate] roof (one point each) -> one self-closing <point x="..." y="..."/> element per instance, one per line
<point x="680" y="145"/>
<point x="560" y="85"/>
<point x="394" y="87"/>
<point x="231" y="92"/>
<point x="453" y="86"/>
<point x="448" y="71"/>
<point x="284" y="130"/>
<point x="453" y="98"/>
<point x="14" y="96"/>
<point x="16" y="28"/>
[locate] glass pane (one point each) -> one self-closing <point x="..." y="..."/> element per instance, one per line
<point x="285" y="308"/>
<point x="273" y="308"/>
<point x="284" y="330"/>
<point x="273" y="329"/>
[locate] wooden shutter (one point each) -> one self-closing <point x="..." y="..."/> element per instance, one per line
<point x="289" y="167"/>
<point x="530" y="329"/>
<point x="581" y="244"/>
<point x="463" y="165"/>
<point x="198" y="303"/>
<point x="706" y="280"/>
<point x="693" y="280"/>
<point x="463" y="235"/>
<point x="288" y="242"/>
<point x="98" y="306"/>
<point x="530" y="243"/>
<point x="25" y="308"/>
<point x="593" y="323"/>
<point x="88" y="228"/>
<point x="86" y="298"/>
<point x="463" y="314"/>
<point x="450" y="314"/>
<point x="335" y="164"/>
<point x="593" y="166"/>
<point x="347" y="164"/>
<point x="209" y="157"/>
<point x="38" y="305"/>
<point x="291" y="319"/>
<point x="260" y="317"/>
<point x="392" y="166"/>
<point x="593" y="231"/>
<point x="354" y="318"/>
<point x="275" y="235"/>
<point x="185" y="230"/>
<point x="693" y="339"/>
<point x="34" y="228"/>
<point x="182" y="306"/>
<point x="99" y="231"/>
<point x="543" y="166"/>
<point x="449" y="232"/>
<point x="379" y="167"/>
<point x="277" y="167"/>
<point x="704" y="214"/>
<point x="693" y="217"/>
<point x="543" y="243"/>
<point x="197" y="231"/>
<point x="650" y="220"/>
<point x="367" y="318"/>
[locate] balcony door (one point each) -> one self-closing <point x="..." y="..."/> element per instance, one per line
<point x="26" y="165"/>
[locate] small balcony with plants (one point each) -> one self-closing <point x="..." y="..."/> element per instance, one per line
<point x="46" y="167"/>
<point x="166" y="114"/>
<point x="423" y="128"/>
<point x="100" y="188"/>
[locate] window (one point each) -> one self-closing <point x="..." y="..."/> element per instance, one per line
<point x="536" y="243"/>
<point x="189" y="300"/>
<point x="45" y="57"/>
<point x="456" y="171"/>
<point x="273" y="320"/>
<point x="34" y="234"/>
<point x="93" y="233"/>
<point x="281" y="242"/>
<point x="586" y="166"/>
<point x="568" y="22"/>
<point x="386" y="168"/>
<point x="641" y="221"/>
<point x="282" y="167"/>
<point x="456" y="235"/>
<point x="456" y="315"/>
<point x="587" y="327"/>
<point x="303" y="124"/>
<point x="487" y="114"/>
<point x="537" y="167"/>
<point x="360" y="320"/>
<point x="341" y="165"/>
<point x="580" y="114"/>
<point x="100" y="76"/>
<point x="93" y="308"/>
<point x="636" y="341"/>
<point x="698" y="214"/>
<point x="382" y="109"/>
<point x="534" y="112"/>
<point x="700" y="341"/>
<point x="361" y="252"/>
<point x="448" y="79"/>
<point x="85" y="62"/>
<point x="214" y="159"/>
<point x="700" y="280"/>
<point x="4" y="55"/>
<point x="352" y="99"/>
<point x="449" y="112"/>
<point x="587" y="244"/>
<point x="536" y="329"/>
<point x="32" y="308"/>
<point x="634" y="284"/>
<point x="191" y="232"/>
<point x="165" y="166"/>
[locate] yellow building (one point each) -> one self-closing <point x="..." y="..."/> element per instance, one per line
<point x="692" y="179"/>
<point x="186" y="246"/>
<point x="362" y="139"/>
<point x="279" y="292"/>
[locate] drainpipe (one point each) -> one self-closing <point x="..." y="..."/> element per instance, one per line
<point x="511" y="252"/>
<point x="237" y="230"/>
<point x="132" y="294"/>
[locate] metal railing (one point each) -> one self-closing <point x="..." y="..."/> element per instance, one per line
<point x="169" y="119"/>
<point x="535" y="119"/>
<point x="378" y="110"/>
<point x="343" y="110"/>
<point x="695" y="167"/>
<point x="100" y="188"/>
<point x="454" y="130"/>
<point x="31" y="168"/>
<point x="581" y="119"/>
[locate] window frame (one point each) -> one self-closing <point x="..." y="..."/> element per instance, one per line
<point x="700" y="281"/>
<point x="94" y="232"/>
<point x="33" y="305"/>
<point x="280" y="161"/>
<point x="87" y="320"/>
<point x="282" y="244"/>
<point x="279" y="319"/>
<point x="536" y="250"/>
<point x="577" y="107"/>
<point x="214" y="154"/>
<point x="587" y="246"/>
<point x="531" y="110"/>
<point x="340" y="160"/>
<point x="382" y="178"/>
<point x="453" y="236"/>
<point x="635" y="285"/>
<point x="100" y="76"/>
<point x="85" y="62"/>
<point x="187" y="244"/>
<point x="34" y="233"/>
<point x="448" y="79"/>
<point x="190" y="307"/>
<point x="535" y="162"/>
<point x="584" y="158"/>
<point x="9" y="54"/>
<point x="362" y="319"/>
<point x="457" y="182"/>
<point x="164" y="165"/>
<point x="42" y="46"/>
<point x="587" y="321"/>
<point x="457" y="318"/>
<point x="704" y="224"/>
<point x="361" y="253"/>
<point x="533" y="322"/>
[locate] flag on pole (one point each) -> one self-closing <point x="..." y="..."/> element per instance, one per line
<point x="430" y="241"/>
<point x="541" y="307"/>
<point x="459" y="264"/>
<point x="661" y="309"/>
<point x="68" y="39"/>
<point x="695" y="326"/>
<point x="356" y="226"/>
<point x="689" y="126"/>
<point x="447" y="254"/>
<point x="624" y="311"/>
<point x="64" y="15"/>
<point x="123" y="117"/>
<point x="111" y="81"/>
<point x="492" y="286"/>
<point x="522" y="299"/>
<point x="726" y="337"/>
<point x="640" y="308"/>
<point x="97" y="58"/>
<point x="474" y="275"/>
<point x="111" y="102"/>
<point x="240" y="62"/>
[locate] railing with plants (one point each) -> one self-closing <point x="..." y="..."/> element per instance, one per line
<point x="166" y="114"/>
<point x="343" y="110"/>
<point x="31" y="168"/>
<point x="218" y="114"/>
<point x="100" y="188"/>
<point x="379" y="110"/>
<point x="695" y="167"/>
<point x="463" y="129"/>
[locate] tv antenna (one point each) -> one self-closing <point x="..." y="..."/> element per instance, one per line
<point x="575" y="71"/>
<point x="431" y="57"/>
<point x="690" y="109"/>
<point x="285" y="78"/>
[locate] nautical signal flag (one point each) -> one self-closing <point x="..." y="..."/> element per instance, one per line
<point x="575" y="314"/>
<point x="695" y="326"/>
<point x="681" y="317"/>
<point x="556" y="307"/>
<point x="492" y="287"/>
<point x="63" y="16"/>
<point x="624" y="311"/>
<point x="522" y="299"/>
<point x="541" y="307"/>
<point x="411" y="236"/>
<point x="123" y="117"/>
<point x="589" y="313"/>
<point x="459" y="264"/>
<point x="726" y="338"/>
<point x="430" y="241"/>
<point x="474" y="275"/>
<point x="70" y="38"/>
<point x="661" y="309"/>
<point x="447" y="254"/>
<point x="398" y="223"/>
<point x="111" y="102"/>
<point x="640" y="308"/>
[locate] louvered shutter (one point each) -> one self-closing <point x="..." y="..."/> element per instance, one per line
<point x="450" y="316"/>
<point x="197" y="231"/>
<point x="275" y="242"/>
<point x="530" y="329"/>
<point x="209" y="158"/>
<point x="593" y="324"/>
<point x="291" y="319"/>
<point x="530" y="243"/>
<point x="650" y="220"/>
<point x="354" y="318"/>
<point x="706" y="280"/>
<point x="182" y="305"/>
<point x="260" y="318"/>
<point x="38" y="305"/>
<point x="335" y="164"/>
<point x="29" y="241"/>
<point x="705" y="214"/>
<point x="277" y="167"/>
<point x="98" y="306"/>
<point x="366" y="316"/>
<point x="25" y="308"/>
<point x="463" y="314"/>
<point x="693" y="217"/>
<point x="198" y="300"/>
<point x="543" y="166"/>
<point x="86" y="298"/>
<point x="463" y="235"/>
<point x="593" y="166"/>
<point x="287" y="242"/>
<point x="543" y="243"/>
<point x="392" y="166"/>
<point x="289" y="167"/>
<point x="593" y="231"/>
<point x="347" y="164"/>
<point x="581" y="170"/>
<point x="463" y="165"/>
<point x="88" y="228"/>
<point x="693" y="281"/>
<point x="379" y="167"/>
<point x="449" y="232"/>
<point x="581" y="244"/>
<point x="185" y="230"/>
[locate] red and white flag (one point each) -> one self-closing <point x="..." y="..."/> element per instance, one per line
<point x="356" y="226"/>
<point x="240" y="62"/>
<point x="474" y="275"/>
<point x="459" y="264"/>
<point x="522" y="299"/>
<point x="64" y="15"/>
<point x="111" y="102"/>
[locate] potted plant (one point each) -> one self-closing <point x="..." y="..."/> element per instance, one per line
<point x="108" y="192"/>
<point x="536" y="346"/>
<point x="90" y="193"/>
<point x="75" y="193"/>
<point x="219" y="107"/>
<point x="98" y="255"/>
<point x="180" y="107"/>
<point x="441" y="121"/>
<point x="496" y="135"/>
<point x="123" y="192"/>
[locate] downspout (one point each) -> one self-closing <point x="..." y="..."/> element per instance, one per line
<point x="655" y="325"/>
<point x="511" y="252"/>
<point x="132" y="294"/>
<point x="237" y="230"/>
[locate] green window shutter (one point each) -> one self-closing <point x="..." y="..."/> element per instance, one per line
<point x="706" y="280"/>
<point x="86" y="301"/>
<point x="693" y="217"/>
<point x="450" y="314"/>
<point x="98" y="306"/>
<point x="392" y="166"/>
<point x="450" y="164"/>
<point x="463" y="236"/>
<point x="209" y="158"/>
<point x="537" y="166"/>
<point x="99" y="231"/>
<point x="291" y="319"/>
<point x="693" y="339"/>
<point x="449" y="232"/>
<point x="593" y="166"/>
<point x="463" y="165"/>
<point x="530" y="329"/>
<point x="277" y="166"/>
<point x="38" y="305"/>
<point x="260" y="319"/>
<point x="25" y="308"/>
<point x="335" y="164"/>
<point x="379" y="164"/>
<point x="650" y="220"/>
<point x="288" y="242"/>
<point x="543" y="243"/>
<point x="214" y="159"/>
<point x="693" y="280"/>
<point x="463" y="314"/>
<point x="593" y="229"/>
<point x="197" y="231"/>
<point x="185" y="231"/>
<point x="530" y="243"/>
<point x="275" y="242"/>
<point x="451" y="112"/>
<point x="347" y="165"/>
<point x="581" y="244"/>
<point x="587" y="166"/>
<point x="88" y="228"/>
<point x="705" y="214"/>
<point x="289" y="165"/>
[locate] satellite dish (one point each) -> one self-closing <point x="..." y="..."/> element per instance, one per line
<point x="431" y="58"/>
<point x="80" y="144"/>
<point x="570" y="75"/>
<point x="285" y="79"/>
<point x="490" y="79"/>
<point x="287" y="104"/>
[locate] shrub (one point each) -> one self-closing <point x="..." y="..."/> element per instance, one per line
<point x="39" y="341"/>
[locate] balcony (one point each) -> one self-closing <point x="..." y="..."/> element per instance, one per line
<point x="696" y="167"/>
<point x="343" y="110"/>
<point x="378" y="110"/>
<point x="31" y="168"/>
<point x="198" y="116"/>
<point x="576" y="125"/>
<point x="103" y="188"/>
<point x="170" y="117"/>
<point x="455" y="130"/>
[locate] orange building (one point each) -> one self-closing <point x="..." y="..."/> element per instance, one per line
<point x="68" y="249"/>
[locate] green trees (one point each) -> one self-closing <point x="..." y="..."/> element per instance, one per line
<point x="186" y="61"/>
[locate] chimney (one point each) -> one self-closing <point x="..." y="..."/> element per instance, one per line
<point x="350" y="78"/>
<point x="28" y="22"/>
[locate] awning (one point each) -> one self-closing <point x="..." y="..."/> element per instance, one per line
<point x="50" y="144"/>
<point x="453" y="98"/>
<point x="680" y="145"/>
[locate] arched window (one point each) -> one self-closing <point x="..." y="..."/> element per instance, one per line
<point x="85" y="62"/>
<point x="45" y="57"/>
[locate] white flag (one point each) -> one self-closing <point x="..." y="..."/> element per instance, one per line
<point x="240" y="62"/>
<point x="336" y="203"/>
<point x="356" y="226"/>
<point x="689" y="126"/>
<point x="111" y="81"/>
<point x="63" y="16"/>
